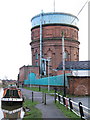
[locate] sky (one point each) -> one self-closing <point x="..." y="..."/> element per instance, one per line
<point x="15" y="30"/>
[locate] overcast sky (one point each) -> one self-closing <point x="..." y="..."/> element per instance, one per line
<point x="15" y="30"/>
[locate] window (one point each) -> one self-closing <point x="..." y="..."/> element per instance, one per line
<point x="36" y="56"/>
<point x="66" y="55"/>
<point x="36" y="63"/>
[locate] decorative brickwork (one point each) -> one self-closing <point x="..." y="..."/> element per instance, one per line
<point x="79" y="85"/>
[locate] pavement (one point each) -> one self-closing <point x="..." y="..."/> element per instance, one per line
<point x="84" y="99"/>
<point x="49" y="110"/>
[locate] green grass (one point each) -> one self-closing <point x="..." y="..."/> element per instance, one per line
<point x="45" y="90"/>
<point x="67" y="112"/>
<point x="34" y="112"/>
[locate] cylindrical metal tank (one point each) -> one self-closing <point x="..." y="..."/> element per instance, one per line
<point x="53" y="24"/>
<point x="55" y="18"/>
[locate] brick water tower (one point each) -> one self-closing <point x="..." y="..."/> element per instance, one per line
<point x="46" y="36"/>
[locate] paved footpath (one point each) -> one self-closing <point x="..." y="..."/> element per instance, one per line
<point x="49" y="110"/>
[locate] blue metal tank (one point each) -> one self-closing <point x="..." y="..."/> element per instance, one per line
<point x="54" y="18"/>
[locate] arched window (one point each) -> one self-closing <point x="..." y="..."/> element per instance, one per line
<point x="66" y="55"/>
<point x="36" y="56"/>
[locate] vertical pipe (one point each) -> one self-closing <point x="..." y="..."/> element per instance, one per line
<point x="63" y="51"/>
<point x="63" y="60"/>
<point x="45" y="67"/>
<point x="41" y="44"/>
<point x="48" y="74"/>
<point x="48" y="77"/>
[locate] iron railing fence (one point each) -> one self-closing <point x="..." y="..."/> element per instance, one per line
<point x="78" y="108"/>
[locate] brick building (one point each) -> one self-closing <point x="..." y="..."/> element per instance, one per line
<point x="25" y="70"/>
<point x="79" y="85"/>
<point x="53" y="24"/>
<point x="46" y="32"/>
<point x="48" y="28"/>
<point x="79" y="81"/>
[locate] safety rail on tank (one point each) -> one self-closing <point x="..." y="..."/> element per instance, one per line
<point x="53" y="18"/>
<point x="77" y="108"/>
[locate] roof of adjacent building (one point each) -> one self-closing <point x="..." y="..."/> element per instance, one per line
<point x="76" y="65"/>
<point x="28" y="66"/>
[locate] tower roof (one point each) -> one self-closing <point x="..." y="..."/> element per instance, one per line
<point x="54" y="18"/>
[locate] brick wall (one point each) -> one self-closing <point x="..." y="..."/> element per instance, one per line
<point x="52" y="44"/>
<point x="25" y="70"/>
<point x="79" y="85"/>
<point x="52" y="31"/>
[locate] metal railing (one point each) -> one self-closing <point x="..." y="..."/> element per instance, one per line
<point x="78" y="108"/>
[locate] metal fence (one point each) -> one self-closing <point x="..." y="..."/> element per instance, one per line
<point x="78" y="108"/>
<point x="53" y="80"/>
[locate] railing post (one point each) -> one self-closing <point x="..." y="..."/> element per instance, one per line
<point x="66" y="102"/>
<point x="32" y="96"/>
<point x="55" y="96"/>
<point x="45" y="99"/>
<point x="59" y="99"/>
<point x="70" y="103"/>
<point x="81" y="110"/>
<point x="39" y="88"/>
<point x="63" y="100"/>
<point x="42" y="97"/>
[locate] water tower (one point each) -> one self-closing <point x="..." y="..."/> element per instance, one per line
<point x="46" y="36"/>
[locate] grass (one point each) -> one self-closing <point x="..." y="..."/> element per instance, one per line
<point x="67" y="112"/>
<point x="45" y="90"/>
<point x="34" y="112"/>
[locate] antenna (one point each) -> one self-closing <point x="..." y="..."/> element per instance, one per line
<point x="54" y="5"/>
<point x="80" y="10"/>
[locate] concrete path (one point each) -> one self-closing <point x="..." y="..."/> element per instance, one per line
<point x="49" y="110"/>
<point x="84" y="99"/>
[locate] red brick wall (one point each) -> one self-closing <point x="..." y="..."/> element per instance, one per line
<point x="55" y="31"/>
<point x="52" y="44"/>
<point x="59" y="72"/>
<point x="25" y="70"/>
<point x="21" y="74"/>
<point x="79" y="85"/>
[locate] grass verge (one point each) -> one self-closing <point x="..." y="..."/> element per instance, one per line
<point x="34" y="112"/>
<point x="45" y="90"/>
<point x="67" y="112"/>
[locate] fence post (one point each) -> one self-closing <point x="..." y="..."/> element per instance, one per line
<point x="66" y="103"/>
<point x="32" y="96"/>
<point x="45" y="99"/>
<point x="39" y="88"/>
<point x="63" y="100"/>
<point x="42" y="97"/>
<point x="81" y="110"/>
<point x="70" y="103"/>
<point x="59" y="99"/>
<point x="55" y="96"/>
